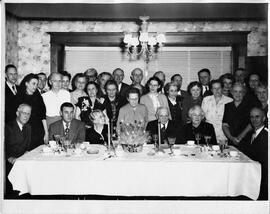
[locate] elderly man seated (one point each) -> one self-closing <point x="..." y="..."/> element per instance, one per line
<point x="169" y="128"/>
<point x="198" y="128"/>
<point x="255" y="146"/>
<point x="17" y="139"/>
<point x="68" y="127"/>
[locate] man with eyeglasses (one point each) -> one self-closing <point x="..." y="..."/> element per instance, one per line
<point x="17" y="139"/>
<point x="54" y="98"/>
<point x="91" y="74"/>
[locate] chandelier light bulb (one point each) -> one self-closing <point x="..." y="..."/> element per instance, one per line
<point x="161" y="38"/>
<point x="127" y="38"/>
<point x="134" y="41"/>
<point x="144" y="37"/>
<point x="152" y="41"/>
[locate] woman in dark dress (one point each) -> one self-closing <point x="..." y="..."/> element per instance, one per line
<point x="29" y="94"/>
<point x="198" y="127"/>
<point x="98" y="133"/>
<point x="195" y="98"/>
<point x="89" y="103"/>
<point x="174" y="101"/>
<point x="113" y="103"/>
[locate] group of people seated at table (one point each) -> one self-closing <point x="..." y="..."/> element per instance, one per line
<point x="82" y="108"/>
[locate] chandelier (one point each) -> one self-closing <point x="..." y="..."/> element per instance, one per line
<point x="146" y="43"/>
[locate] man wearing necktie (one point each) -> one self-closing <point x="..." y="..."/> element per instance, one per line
<point x="17" y="140"/>
<point x="11" y="90"/>
<point x="204" y="76"/>
<point x="68" y="126"/>
<point x="168" y="127"/>
<point x="256" y="147"/>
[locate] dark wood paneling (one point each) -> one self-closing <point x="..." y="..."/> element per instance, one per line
<point x="132" y="11"/>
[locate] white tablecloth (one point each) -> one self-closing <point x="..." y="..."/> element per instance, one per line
<point x="136" y="174"/>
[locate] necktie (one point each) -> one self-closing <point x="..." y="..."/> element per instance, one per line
<point x="14" y="89"/>
<point x="253" y="138"/>
<point x="66" y="129"/>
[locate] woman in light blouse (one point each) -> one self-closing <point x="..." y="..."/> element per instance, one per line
<point x="153" y="99"/>
<point x="78" y="85"/>
<point x="213" y="107"/>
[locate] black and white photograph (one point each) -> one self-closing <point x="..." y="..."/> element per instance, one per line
<point x="132" y="106"/>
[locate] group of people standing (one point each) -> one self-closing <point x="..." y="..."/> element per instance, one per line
<point x="232" y="108"/>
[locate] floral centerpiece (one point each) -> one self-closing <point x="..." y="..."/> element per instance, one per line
<point x="132" y="136"/>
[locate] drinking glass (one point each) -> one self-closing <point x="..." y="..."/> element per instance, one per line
<point x="57" y="137"/>
<point x="207" y="139"/>
<point x="171" y="142"/>
<point x="115" y="142"/>
<point x="198" y="138"/>
<point x="155" y="139"/>
<point x="222" y="145"/>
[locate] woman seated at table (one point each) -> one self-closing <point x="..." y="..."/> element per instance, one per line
<point x="198" y="128"/>
<point x="98" y="133"/>
<point x="133" y="112"/>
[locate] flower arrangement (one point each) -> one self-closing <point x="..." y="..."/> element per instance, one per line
<point x="132" y="136"/>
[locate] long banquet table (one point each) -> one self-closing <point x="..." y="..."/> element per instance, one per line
<point x="189" y="173"/>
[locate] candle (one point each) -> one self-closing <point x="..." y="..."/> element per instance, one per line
<point x="159" y="135"/>
<point x="109" y="136"/>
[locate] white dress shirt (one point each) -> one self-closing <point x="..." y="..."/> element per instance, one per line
<point x="214" y="113"/>
<point x="53" y="101"/>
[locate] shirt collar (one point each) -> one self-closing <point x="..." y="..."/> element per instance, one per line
<point x="10" y="85"/>
<point x="166" y="125"/>
<point x="20" y="125"/>
<point x="257" y="132"/>
<point x="64" y="124"/>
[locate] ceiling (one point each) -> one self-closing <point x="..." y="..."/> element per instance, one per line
<point x="131" y="11"/>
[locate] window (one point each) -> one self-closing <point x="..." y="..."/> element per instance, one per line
<point x="184" y="60"/>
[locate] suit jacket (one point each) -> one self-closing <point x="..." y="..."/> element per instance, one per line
<point x="173" y="129"/>
<point x="76" y="132"/>
<point x="124" y="89"/>
<point x="95" y="138"/>
<point x="184" y="94"/>
<point x="9" y="103"/>
<point x="258" y="151"/>
<point x="147" y="101"/>
<point x="17" y="141"/>
<point x="204" y="129"/>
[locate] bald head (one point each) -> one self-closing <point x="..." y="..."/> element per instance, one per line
<point x="257" y="117"/>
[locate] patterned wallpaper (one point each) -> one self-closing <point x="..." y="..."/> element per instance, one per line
<point x="33" y="41"/>
<point x="11" y="41"/>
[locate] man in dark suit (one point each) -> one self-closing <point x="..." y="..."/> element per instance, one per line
<point x="136" y="78"/>
<point x="168" y="128"/>
<point x="118" y="76"/>
<point x="256" y="147"/>
<point x="177" y="78"/>
<point x="17" y="139"/>
<point x="204" y="76"/>
<point x="68" y="127"/>
<point x="11" y="90"/>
